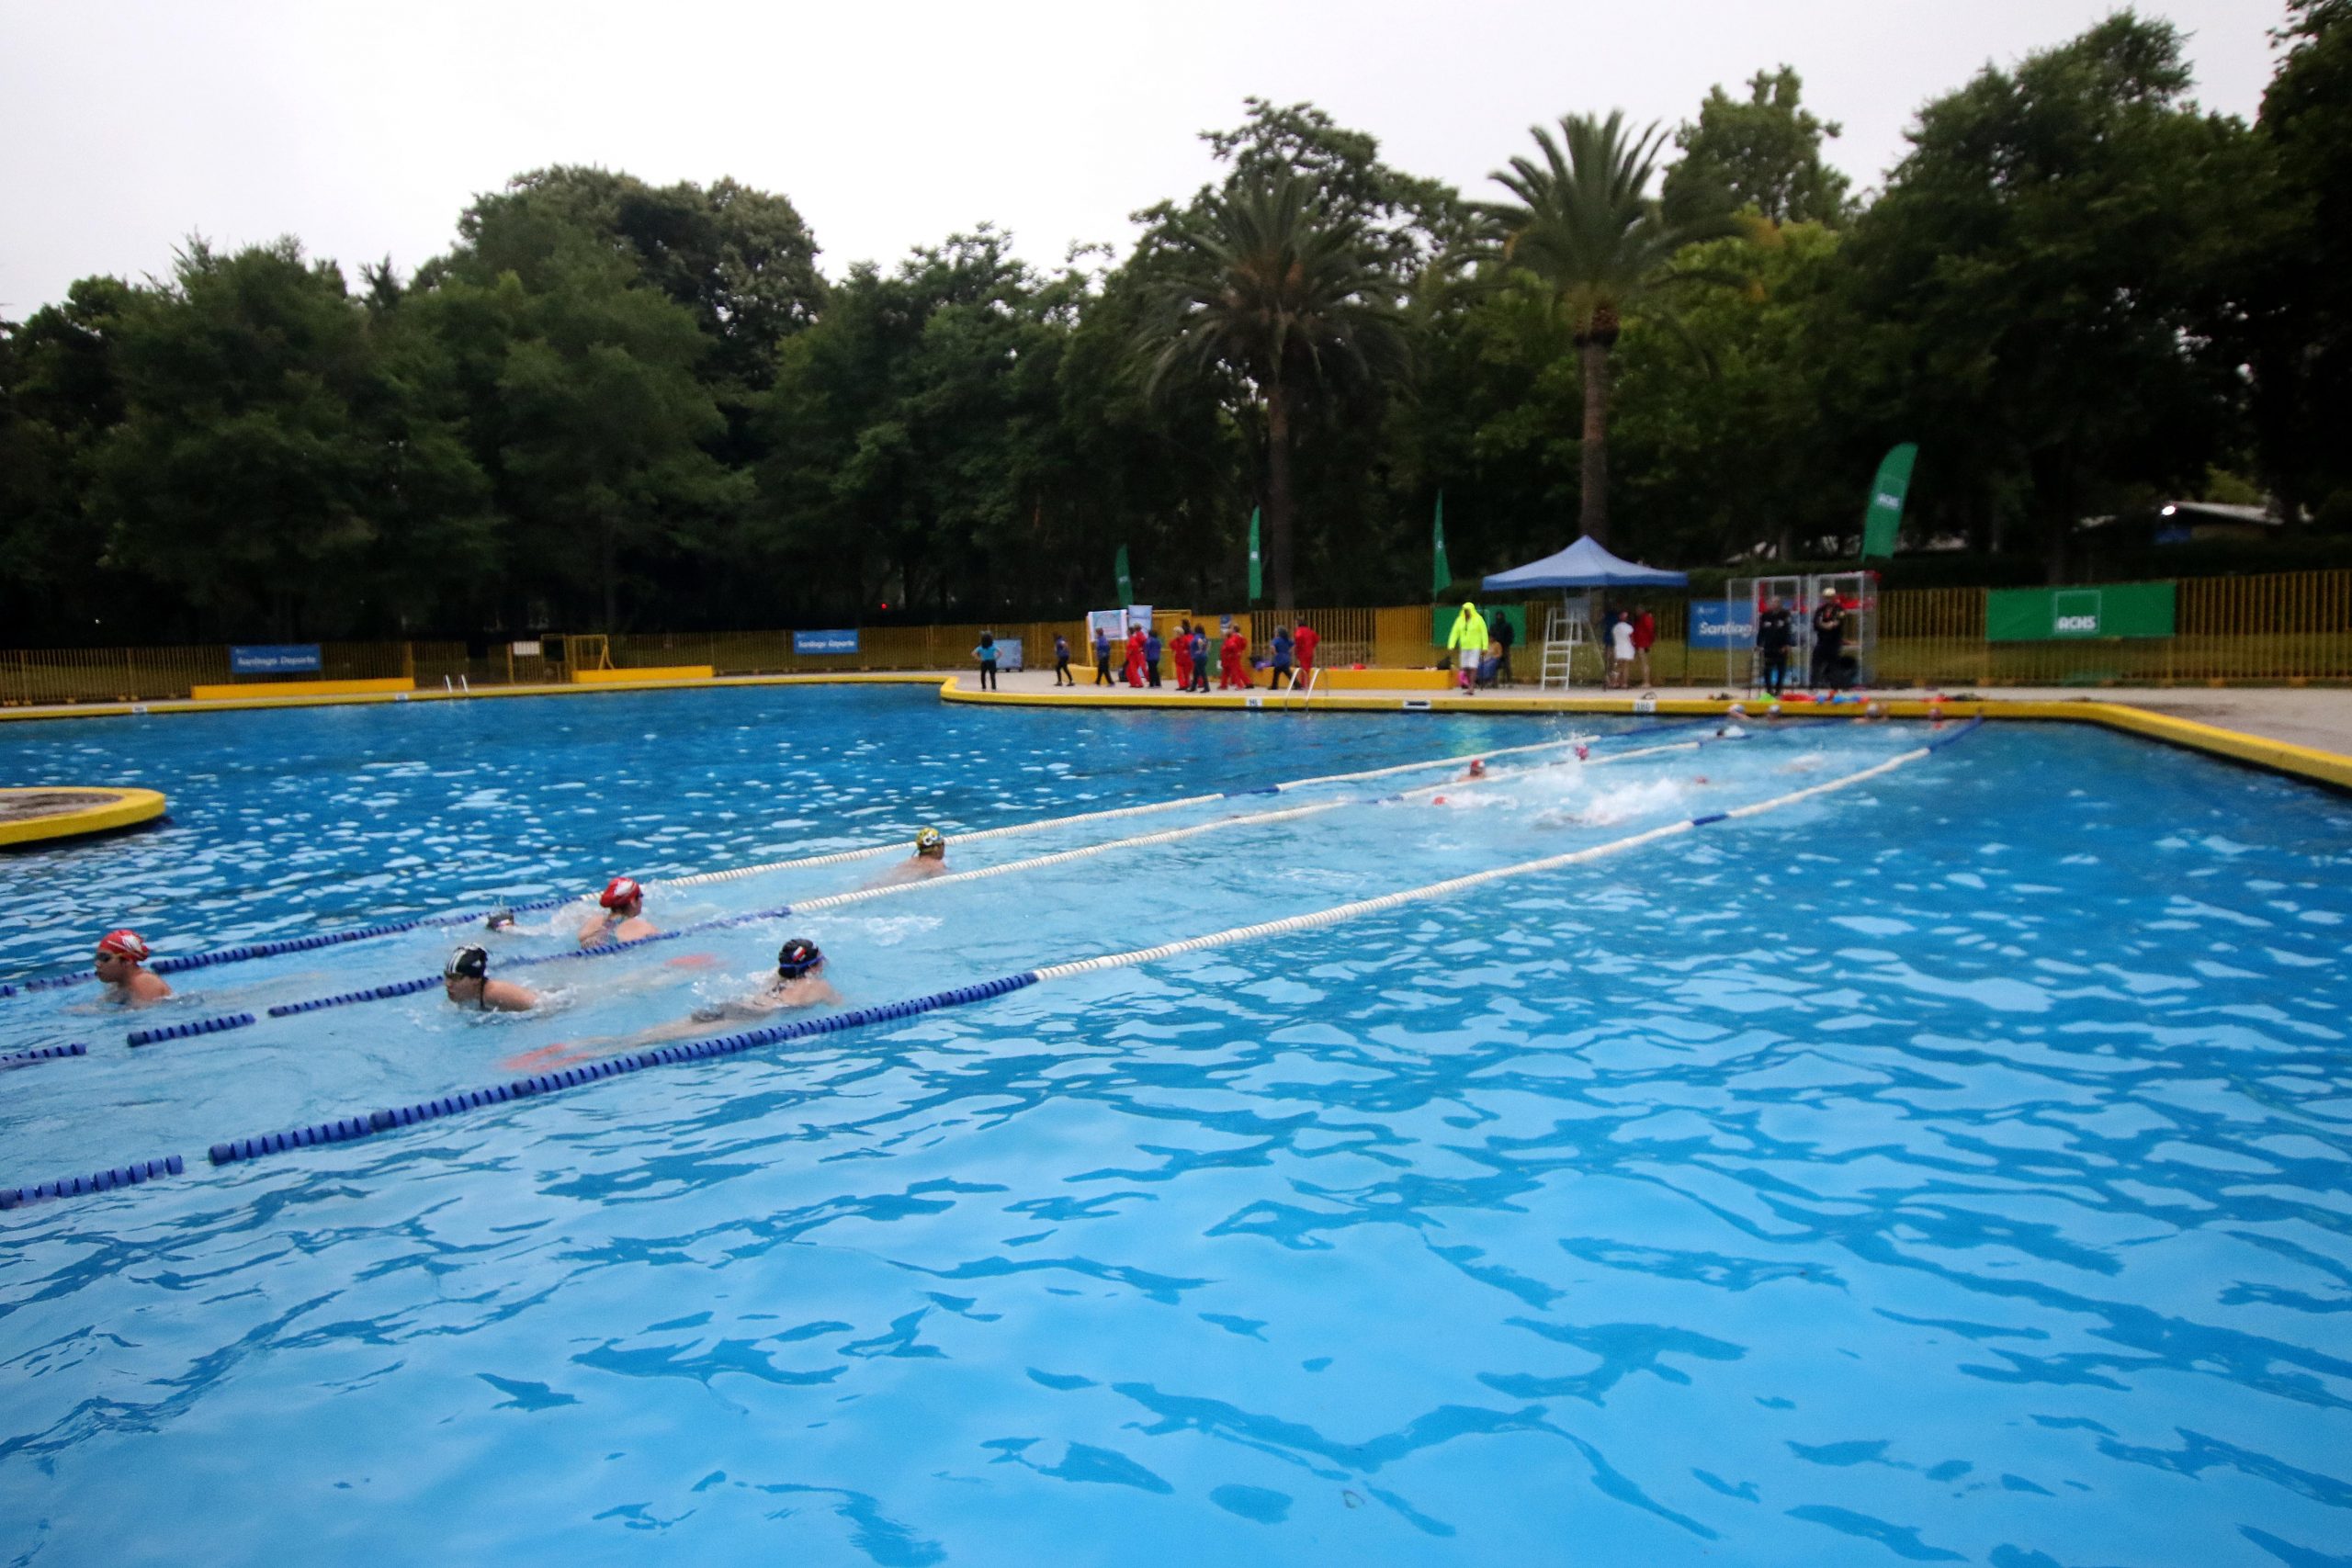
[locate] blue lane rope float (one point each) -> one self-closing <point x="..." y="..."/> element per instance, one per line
<point x="345" y="1128"/>
<point x="281" y="946"/>
<point x="188" y="1031"/>
<point x="131" y="1175"/>
<point x="43" y="1053"/>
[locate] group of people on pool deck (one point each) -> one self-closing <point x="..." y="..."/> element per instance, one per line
<point x="1290" y="657"/>
<point x="120" y="961"/>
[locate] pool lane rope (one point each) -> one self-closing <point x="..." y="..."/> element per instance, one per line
<point x="276" y="948"/>
<point x="43" y="1053"/>
<point x="349" y="1128"/>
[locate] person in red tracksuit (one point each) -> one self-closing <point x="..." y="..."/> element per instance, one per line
<point x="1135" y="656"/>
<point x="1303" y="643"/>
<point x="1180" y="647"/>
<point x="1231" y="677"/>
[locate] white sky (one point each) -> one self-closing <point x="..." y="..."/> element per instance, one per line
<point x="363" y="129"/>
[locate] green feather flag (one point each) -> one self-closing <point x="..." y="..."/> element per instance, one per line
<point x="1441" y="575"/>
<point x="1884" y="516"/>
<point x="1257" y="578"/>
<point x="1126" y="584"/>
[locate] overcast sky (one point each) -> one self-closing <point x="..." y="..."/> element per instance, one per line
<point x="363" y="129"/>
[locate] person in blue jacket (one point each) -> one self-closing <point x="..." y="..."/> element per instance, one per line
<point x="1102" y="658"/>
<point x="986" y="654"/>
<point x="1279" y="676"/>
<point x="1152" y="649"/>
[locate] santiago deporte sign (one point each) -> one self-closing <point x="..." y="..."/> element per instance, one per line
<point x="1719" y="622"/>
<point x="274" y="658"/>
<point x="825" y="642"/>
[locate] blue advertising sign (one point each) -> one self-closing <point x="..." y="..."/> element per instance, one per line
<point x="1719" y="622"/>
<point x="825" y="642"/>
<point x="274" y="658"/>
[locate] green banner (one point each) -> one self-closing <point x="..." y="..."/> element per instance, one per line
<point x="1884" y="516"/>
<point x="1441" y="575"/>
<point x="1257" y="578"/>
<point x="1126" y="584"/>
<point x="2058" y="614"/>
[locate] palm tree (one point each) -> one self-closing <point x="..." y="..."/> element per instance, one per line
<point x="1586" y="232"/>
<point x="1268" y="284"/>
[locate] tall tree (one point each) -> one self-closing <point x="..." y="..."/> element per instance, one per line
<point x="267" y="468"/>
<point x="1290" y="301"/>
<point x="1762" y="156"/>
<point x="2297" y="283"/>
<point x="1587" y="236"/>
<point x="2040" y="260"/>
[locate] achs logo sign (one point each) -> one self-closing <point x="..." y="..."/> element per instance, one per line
<point x="2074" y="613"/>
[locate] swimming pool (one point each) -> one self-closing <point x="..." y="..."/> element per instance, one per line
<point x="1953" y="1168"/>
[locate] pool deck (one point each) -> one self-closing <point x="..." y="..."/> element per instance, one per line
<point x="2305" y="731"/>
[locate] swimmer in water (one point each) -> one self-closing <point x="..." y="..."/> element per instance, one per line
<point x="624" y="917"/>
<point x="1874" y="714"/>
<point x="466" y="981"/>
<point x="929" y="860"/>
<point x="799" y="983"/>
<point x="1477" y="769"/>
<point x="121" y="965"/>
<point x="500" y="920"/>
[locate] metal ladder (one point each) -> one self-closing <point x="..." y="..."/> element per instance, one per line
<point x="1563" y="635"/>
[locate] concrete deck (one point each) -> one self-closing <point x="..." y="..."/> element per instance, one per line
<point x="2314" y="716"/>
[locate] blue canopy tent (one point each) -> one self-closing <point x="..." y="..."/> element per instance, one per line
<point x="1582" y="565"/>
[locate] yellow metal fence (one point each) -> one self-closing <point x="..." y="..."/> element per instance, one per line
<point x="2280" y="626"/>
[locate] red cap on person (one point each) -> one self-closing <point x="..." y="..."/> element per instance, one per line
<point x="619" y="891"/>
<point x="125" y="943"/>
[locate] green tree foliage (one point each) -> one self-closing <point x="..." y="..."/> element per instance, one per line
<point x="585" y="410"/>
<point x="1762" y="156"/>
<point x="2037" y="274"/>
<point x="2297" y="286"/>
<point x="1287" y="297"/>
<point x="1587" y="238"/>
<point x="268" y="468"/>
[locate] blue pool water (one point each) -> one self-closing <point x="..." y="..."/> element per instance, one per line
<point x="1953" y="1168"/>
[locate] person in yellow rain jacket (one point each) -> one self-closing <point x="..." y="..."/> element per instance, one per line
<point x="1469" y="644"/>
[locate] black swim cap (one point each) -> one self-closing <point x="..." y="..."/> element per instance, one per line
<point x="500" y="920"/>
<point x="796" y="957"/>
<point x="468" y="964"/>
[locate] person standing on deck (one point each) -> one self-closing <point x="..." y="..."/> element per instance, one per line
<point x="1152" y="648"/>
<point x="1102" y="658"/>
<point x="1468" y="642"/>
<point x="1505" y="635"/>
<point x="1644" y="638"/>
<point x="1621" y="650"/>
<point x="986" y="654"/>
<point x="1278" y="673"/>
<point x="1180" y="653"/>
<point x="1201" y="657"/>
<point x="1303" y="641"/>
<point x="1062" y="677"/>
<point x="1774" y="636"/>
<point x="1135" y="656"/>
<point x="1231" y="676"/>
<point x="1828" y="643"/>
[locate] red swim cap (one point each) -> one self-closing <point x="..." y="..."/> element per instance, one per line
<point x="619" y="891"/>
<point x="125" y="943"/>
